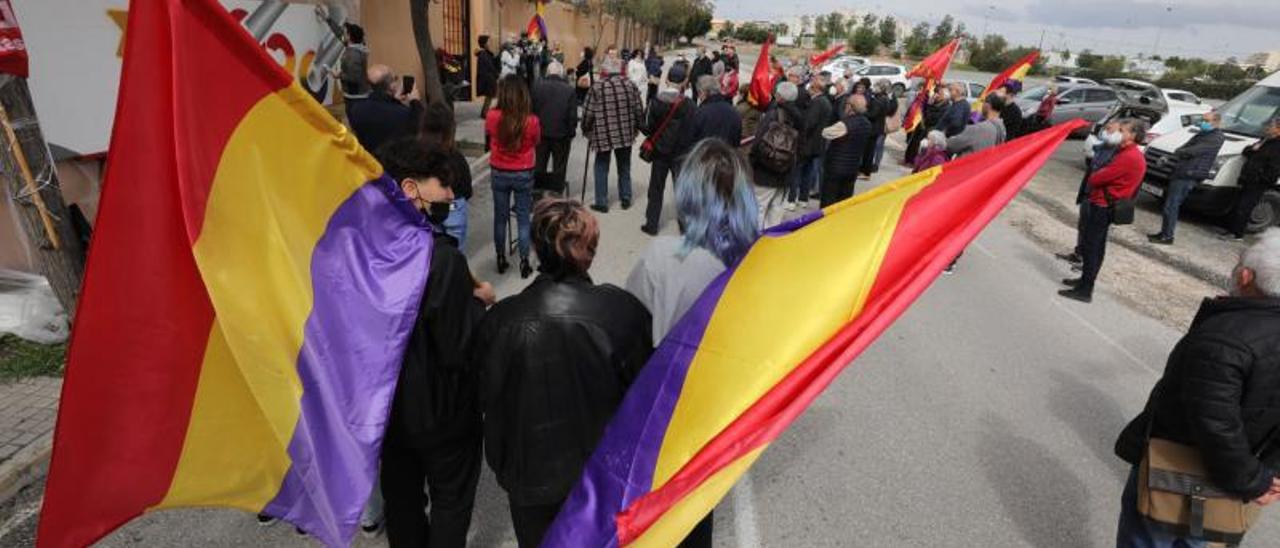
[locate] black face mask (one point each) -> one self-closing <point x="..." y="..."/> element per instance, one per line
<point x="437" y="212"/>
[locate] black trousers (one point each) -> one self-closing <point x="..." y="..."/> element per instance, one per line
<point x="658" y="188"/>
<point x="557" y="151"/>
<point x="653" y="91"/>
<point x="1095" y="245"/>
<point x="1248" y="199"/>
<point x="836" y="186"/>
<point x="913" y="143"/>
<point x="531" y="524"/>
<point x="449" y="466"/>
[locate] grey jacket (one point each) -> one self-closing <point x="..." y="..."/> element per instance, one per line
<point x="977" y="137"/>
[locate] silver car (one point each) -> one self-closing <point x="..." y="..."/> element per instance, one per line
<point x="1090" y="102"/>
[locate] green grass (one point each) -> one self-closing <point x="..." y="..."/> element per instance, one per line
<point x="20" y="359"/>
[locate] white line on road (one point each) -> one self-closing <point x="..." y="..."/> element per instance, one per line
<point x="1089" y="325"/>
<point x="744" y="514"/>
<point x="20" y="517"/>
<point x="984" y="250"/>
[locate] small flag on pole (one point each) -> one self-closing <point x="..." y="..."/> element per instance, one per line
<point x="760" y="92"/>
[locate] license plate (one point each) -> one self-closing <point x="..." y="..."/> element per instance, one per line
<point x="1153" y="190"/>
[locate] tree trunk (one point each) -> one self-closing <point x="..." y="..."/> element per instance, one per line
<point x="426" y="51"/>
<point x="64" y="265"/>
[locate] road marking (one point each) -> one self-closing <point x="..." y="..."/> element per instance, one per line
<point x="744" y="514"/>
<point x="1089" y="325"/>
<point x="984" y="250"/>
<point x="19" y="517"/>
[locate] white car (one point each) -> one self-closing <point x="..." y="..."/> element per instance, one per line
<point x="1073" y="80"/>
<point x="895" y="74"/>
<point x="840" y="64"/>
<point x="1138" y="99"/>
<point x="1180" y="96"/>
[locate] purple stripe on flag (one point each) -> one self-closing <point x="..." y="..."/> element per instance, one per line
<point x="621" y="469"/>
<point x="368" y="272"/>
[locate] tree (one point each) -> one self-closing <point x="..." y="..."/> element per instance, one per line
<point x="888" y="32"/>
<point x="1227" y="72"/>
<point x="943" y="33"/>
<point x="989" y="53"/>
<point x="865" y="38"/>
<point x="426" y="51"/>
<point x="917" y="43"/>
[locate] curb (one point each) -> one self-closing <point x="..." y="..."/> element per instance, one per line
<point x="25" y="467"/>
<point x="1069" y="216"/>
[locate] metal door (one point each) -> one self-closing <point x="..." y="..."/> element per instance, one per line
<point x="457" y="41"/>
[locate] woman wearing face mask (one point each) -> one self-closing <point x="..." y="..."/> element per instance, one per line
<point x="514" y="132"/>
<point x="1103" y="152"/>
<point x="1116" y="181"/>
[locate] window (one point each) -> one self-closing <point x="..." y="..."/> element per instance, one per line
<point x="1247" y="113"/>
<point x="975" y="90"/>
<point x="1184" y="97"/>
<point x="1073" y="96"/>
<point x="1099" y="96"/>
<point x="1033" y="94"/>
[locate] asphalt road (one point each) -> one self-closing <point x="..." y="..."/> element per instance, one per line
<point x="984" y="416"/>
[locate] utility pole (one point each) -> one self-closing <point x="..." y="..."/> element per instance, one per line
<point x="1041" y="46"/>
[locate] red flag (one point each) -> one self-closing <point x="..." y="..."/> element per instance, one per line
<point x="935" y="65"/>
<point x="13" y="50"/>
<point x="761" y="90"/>
<point x="825" y="56"/>
<point x="1016" y="71"/>
<point x="916" y="112"/>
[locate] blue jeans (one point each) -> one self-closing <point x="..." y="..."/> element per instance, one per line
<point x="504" y="184"/>
<point x="875" y="164"/>
<point x="456" y="224"/>
<point x="1133" y="531"/>
<point x="1175" y="194"/>
<point x="602" y="175"/>
<point x="803" y="179"/>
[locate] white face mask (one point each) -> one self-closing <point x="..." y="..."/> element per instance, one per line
<point x="1112" y="138"/>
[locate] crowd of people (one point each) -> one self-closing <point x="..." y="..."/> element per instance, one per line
<point x="530" y="381"/>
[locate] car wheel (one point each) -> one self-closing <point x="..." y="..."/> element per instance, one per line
<point x="1266" y="214"/>
<point x="898" y="90"/>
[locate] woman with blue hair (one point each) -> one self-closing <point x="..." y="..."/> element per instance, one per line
<point x="717" y="213"/>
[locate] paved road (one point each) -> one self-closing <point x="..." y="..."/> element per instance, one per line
<point x="984" y="416"/>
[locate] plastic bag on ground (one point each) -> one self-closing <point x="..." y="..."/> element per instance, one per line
<point x="29" y="309"/>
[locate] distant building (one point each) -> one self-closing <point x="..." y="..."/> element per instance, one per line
<point x="717" y="26"/>
<point x="1147" y="67"/>
<point x="1269" y="60"/>
<point x="1063" y="60"/>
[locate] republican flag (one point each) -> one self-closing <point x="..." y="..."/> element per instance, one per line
<point x="935" y="65"/>
<point x="760" y="92"/>
<point x="720" y="389"/>
<point x="537" y="27"/>
<point x="915" y="113"/>
<point x="823" y="57"/>
<point x="250" y="290"/>
<point x="1016" y="72"/>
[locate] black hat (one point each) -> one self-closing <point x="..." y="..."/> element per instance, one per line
<point x="679" y="72"/>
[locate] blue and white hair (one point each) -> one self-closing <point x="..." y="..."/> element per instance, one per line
<point x="714" y="202"/>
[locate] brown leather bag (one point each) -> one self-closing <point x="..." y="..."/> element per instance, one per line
<point x="1175" y="493"/>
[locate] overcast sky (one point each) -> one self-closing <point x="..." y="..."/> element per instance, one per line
<point x="1202" y="28"/>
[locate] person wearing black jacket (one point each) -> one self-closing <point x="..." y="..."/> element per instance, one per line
<point x="701" y="65"/>
<point x="1260" y="171"/>
<point x="387" y="114"/>
<point x="877" y="111"/>
<point x="1195" y="164"/>
<point x="848" y="142"/>
<point x="555" y="362"/>
<point x="714" y="117"/>
<point x="667" y="142"/>
<point x="554" y="106"/>
<point x="586" y="69"/>
<point x="1219" y="394"/>
<point x="433" y="433"/>
<point x="956" y="116"/>
<point x="439" y="129"/>
<point x="486" y="75"/>
<point x="1011" y="113"/>
<point x="811" y="146"/>
<point x="771" y="183"/>
<point x="934" y="108"/>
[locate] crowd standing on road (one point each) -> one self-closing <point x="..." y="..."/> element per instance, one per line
<point x="524" y="379"/>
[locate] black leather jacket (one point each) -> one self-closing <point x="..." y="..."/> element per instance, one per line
<point x="1221" y="393"/>
<point x="555" y="362"/>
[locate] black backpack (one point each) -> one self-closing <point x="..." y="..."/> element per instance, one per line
<point x="775" y="150"/>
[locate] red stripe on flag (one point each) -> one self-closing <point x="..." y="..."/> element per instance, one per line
<point x="144" y="315"/>
<point x="913" y="260"/>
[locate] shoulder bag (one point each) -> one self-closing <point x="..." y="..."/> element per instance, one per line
<point x="1121" y="210"/>
<point x="650" y="145"/>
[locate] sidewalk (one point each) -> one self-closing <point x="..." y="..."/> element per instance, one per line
<point x="28" y="409"/>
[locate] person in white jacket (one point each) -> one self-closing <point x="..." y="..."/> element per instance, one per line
<point x="509" y="61"/>
<point x="638" y="74"/>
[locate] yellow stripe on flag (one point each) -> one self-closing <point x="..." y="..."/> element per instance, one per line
<point x="676" y="524"/>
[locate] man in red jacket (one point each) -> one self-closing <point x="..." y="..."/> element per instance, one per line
<point x="1118" y="181"/>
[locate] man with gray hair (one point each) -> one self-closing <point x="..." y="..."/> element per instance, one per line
<point x="715" y="116"/>
<point x="611" y="118"/>
<point x="557" y="111"/>
<point x="774" y="153"/>
<point x="1219" y="399"/>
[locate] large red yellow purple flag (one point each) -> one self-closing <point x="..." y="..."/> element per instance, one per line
<point x="720" y="389"/>
<point x="249" y="293"/>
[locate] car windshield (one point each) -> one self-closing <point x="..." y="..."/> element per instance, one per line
<point x="1035" y="93"/>
<point x="1250" y="111"/>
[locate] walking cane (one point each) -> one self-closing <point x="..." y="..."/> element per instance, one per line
<point x="25" y="169"/>
<point x="585" y="162"/>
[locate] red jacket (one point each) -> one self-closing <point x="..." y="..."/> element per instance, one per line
<point x="520" y="159"/>
<point x="1118" y="179"/>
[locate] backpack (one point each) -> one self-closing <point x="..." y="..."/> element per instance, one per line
<point x="775" y="150"/>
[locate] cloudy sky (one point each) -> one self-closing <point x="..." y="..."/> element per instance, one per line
<point x="1203" y="28"/>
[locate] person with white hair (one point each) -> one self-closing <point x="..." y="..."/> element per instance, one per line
<point x="934" y="154"/>
<point x="715" y="116"/>
<point x="1219" y="400"/>
<point x="611" y="119"/>
<point x="775" y="151"/>
<point x="638" y="74"/>
<point x="553" y="103"/>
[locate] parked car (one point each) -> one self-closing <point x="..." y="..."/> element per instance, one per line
<point x="896" y="74"/>
<point x="973" y="90"/>
<point x="840" y="64"/>
<point x="1180" y="96"/>
<point x="1243" y="120"/>
<point x="1073" y="80"/>
<point x="1090" y="102"/>
<point x="1138" y="99"/>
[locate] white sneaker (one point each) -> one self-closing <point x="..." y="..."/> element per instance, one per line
<point x="804" y="204"/>
<point x="791" y="206"/>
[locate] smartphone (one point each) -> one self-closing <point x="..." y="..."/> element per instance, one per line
<point x="406" y="84"/>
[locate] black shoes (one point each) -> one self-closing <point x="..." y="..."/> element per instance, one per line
<point x="1076" y="294"/>
<point x="626" y="204"/>
<point x="649" y="230"/>
<point x="1160" y="239"/>
<point x="1071" y="282"/>
<point x="503" y="265"/>
<point x="1073" y="257"/>
<point x="525" y="269"/>
<point x="599" y="208"/>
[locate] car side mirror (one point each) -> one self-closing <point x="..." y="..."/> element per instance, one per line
<point x="1064" y="101"/>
